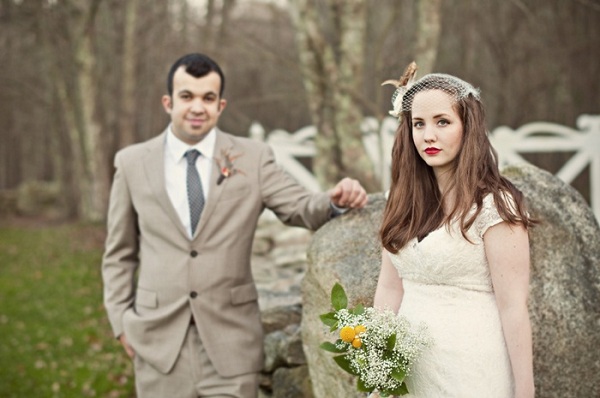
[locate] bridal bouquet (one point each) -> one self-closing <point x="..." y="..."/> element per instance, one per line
<point x="375" y="345"/>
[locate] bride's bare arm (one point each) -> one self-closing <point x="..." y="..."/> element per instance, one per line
<point x="507" y="251"/>
<point x="389" y="286"/>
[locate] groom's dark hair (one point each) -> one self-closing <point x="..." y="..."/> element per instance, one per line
<point x="197" y="65"/>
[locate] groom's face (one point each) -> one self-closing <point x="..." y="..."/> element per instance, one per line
<point x="195" y="106"/>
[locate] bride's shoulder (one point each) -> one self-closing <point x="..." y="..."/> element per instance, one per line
<point x="488" y="215"/>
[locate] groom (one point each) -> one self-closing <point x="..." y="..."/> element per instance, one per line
<point x="183" y="210"/>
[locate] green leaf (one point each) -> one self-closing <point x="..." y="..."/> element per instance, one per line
<point x="331" y="347"/>
<point x="398" y="374"/>
<point x="391" y="342"/>
<point x="339" y="300"/>
<point x="358" y="310"/>
<point x="329" y="319"/>
<point x="401" y="390"/>
<point x="360" y="386"/>
<point x="344" y="363"/>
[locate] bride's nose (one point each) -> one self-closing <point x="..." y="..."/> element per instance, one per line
<point x="429" y="135"/>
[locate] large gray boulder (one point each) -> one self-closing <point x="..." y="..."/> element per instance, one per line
<point x="345" y="250"/>
<point x="564" y="292"/>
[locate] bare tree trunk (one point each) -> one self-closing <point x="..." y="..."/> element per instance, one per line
<point x="333" y="76"/>
<point x="59" y="147"/>
<point x="128" y="98"/>
<point x="10" y="166"/>
<point x="226" y="10"/>
<point x="77" y="92"/>
<point x="429" y="27"/>
<point x="75" y="148"/>
<point x="63" y="126"/>
<point x="208" y="30"/>
<point x="154" y="56"/>
<point x="219" y="27"/>
<point x="96" y="181"/>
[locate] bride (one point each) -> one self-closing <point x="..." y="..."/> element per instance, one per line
<point x="455" y="246"/>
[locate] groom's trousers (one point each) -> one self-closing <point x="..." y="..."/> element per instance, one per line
<point x="192" y="376"/>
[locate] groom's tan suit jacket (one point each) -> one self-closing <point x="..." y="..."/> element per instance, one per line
<point x="156" y="278"/>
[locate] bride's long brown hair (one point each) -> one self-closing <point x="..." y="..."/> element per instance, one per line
<point x="414" y="207"/>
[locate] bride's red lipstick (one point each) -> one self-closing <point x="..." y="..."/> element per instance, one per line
<point x="432" y="151"/>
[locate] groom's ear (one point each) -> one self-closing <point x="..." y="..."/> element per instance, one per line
<point x="167" y="103"/>
<point x="222" y="104"/>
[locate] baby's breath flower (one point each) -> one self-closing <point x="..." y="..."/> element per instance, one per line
<point x="379" y="347"/>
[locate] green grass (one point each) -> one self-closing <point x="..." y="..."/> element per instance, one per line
<point x="55" y="340"/>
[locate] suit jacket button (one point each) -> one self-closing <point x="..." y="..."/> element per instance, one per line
<point x="193" y="253"/>
<point x="193" y="294"/>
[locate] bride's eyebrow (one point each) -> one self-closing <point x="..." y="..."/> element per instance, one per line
<point x="436" y="116"/>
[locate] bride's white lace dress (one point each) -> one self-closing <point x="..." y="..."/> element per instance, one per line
<point x="447" y="285"/>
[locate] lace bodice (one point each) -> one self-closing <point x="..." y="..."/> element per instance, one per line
<point x="447" y="286"/>
<point x="445" y="257"/>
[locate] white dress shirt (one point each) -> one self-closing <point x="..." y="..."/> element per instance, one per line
<point x="176" y="172"/>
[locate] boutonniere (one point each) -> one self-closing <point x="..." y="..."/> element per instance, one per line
<point x="226" y="166"/>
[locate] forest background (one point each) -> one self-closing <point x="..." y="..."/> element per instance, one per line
<point x="81" y="79"/>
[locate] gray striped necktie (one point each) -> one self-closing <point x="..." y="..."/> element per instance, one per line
<point x="194" y="188"/>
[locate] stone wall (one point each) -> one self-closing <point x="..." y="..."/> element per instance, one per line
<point x="278" y="265"/>
<point x="40" y="199"/>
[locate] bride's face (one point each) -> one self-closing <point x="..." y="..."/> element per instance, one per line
<point x="437" y="129"/>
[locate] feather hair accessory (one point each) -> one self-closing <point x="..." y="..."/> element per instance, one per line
<point x="402" y="85"/>
<point x="407" y="87"/>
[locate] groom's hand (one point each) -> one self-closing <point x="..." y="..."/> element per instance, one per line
<point x="126" y="346"/>
<point x="349" y="194"/>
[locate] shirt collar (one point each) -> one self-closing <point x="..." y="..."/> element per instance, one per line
<point x="177" y="148"/>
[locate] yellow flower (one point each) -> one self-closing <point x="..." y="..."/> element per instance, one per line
<point x="347" y="334"/>
<point x="356" y="343"/>
<point x="359" y="329"/>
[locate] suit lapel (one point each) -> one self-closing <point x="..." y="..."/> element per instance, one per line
<point x="154" y="165"/>
<point x="223" y="143"/>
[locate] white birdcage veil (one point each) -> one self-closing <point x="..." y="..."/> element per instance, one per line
<point x="407" y="87"/>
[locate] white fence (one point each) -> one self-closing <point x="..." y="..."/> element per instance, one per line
<point x="550" y="137"/>
<point x="378" y="138"/>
